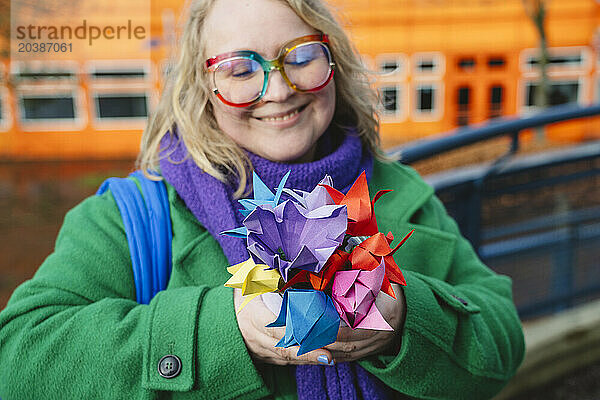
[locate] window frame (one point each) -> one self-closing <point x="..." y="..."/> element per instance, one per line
<point x="584" y="66"/>
<point x="47" y="87"/>
<point x="400" y="73"/>
<point x="76" y="123"/>
<point x="525" y="83"/>
<point x="400" y="114"/>
<point x="438" y="62"/>
<point x="122" y="123"/>
<point x="116" y="66"/>
<point x="120" y="86"/>
<point x="437" y="98"/>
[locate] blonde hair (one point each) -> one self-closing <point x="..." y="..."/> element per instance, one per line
<point x="185" y="101"/>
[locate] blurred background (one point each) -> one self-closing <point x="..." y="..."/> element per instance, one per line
<point x="495" y="102"/>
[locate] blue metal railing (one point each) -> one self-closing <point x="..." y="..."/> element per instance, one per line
<point x="535" y="218"/>
<point x="465" y="136"/>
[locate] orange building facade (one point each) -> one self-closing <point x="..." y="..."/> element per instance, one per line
<point x="439" y="64"/>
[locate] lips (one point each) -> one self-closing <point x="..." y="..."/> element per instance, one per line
<point x="283" y="116"/>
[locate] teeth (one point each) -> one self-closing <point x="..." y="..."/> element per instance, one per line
<point x="282" y="118"/>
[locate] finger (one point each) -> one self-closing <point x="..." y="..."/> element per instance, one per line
<point x="317" y="357"/>
<point x="358" y="353"/>
<point x="346" y="334"/>
<point x="380" y="338"/>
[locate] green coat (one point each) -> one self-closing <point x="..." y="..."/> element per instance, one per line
<point x="74" y="331"/>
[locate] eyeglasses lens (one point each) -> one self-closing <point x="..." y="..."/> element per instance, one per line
<point x="241" y="80"/>
<point x="308" y="66"/>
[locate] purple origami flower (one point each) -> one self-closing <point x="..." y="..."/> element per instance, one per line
<point x="354" y="293"/>
<point x="314" y="199"/>
<point x="290" y="236"/>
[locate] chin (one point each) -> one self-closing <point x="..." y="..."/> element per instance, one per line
<point x="289" y="157"/>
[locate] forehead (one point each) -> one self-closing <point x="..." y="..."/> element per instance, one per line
<point x="259" y="25"/>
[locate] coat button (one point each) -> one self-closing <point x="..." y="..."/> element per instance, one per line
<point x="169" y="366"/>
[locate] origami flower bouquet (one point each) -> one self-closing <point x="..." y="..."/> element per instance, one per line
<point x="323" y="251"/>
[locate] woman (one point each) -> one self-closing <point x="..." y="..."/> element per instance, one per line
<point x="75" y="330"/>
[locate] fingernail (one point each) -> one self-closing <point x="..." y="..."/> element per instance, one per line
<point x="324" y="360"/>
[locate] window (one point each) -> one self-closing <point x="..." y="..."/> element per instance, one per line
<point x="48" y="95"/>
<point x="496" y="62"/>
<point x="561" y="92"/>
<point x="463" y="102"/>
<point x="425" y="98"/>
<point x="44" y="75"/>
<point x="427" y="101"/>
<point x="40" y="107"/>
<point x="101" y="72"/>
<point x="390" y="100"/>
<point x="464" y="94"/>
<point x="425" y="66"/>
<point x="558" y="60"/>
<point x="467" y="63"/>
<point x="121" y="92"/>
<point x="123" y="74"/>
<point x="388" y="67"/>
<point x="45" y="72"/>
<point x="427" y="83"/>
<point x="391" y="65"/>
<point x="496" y="101"/>
<point x="121" y="105"/>
<point x="428" y="63"/>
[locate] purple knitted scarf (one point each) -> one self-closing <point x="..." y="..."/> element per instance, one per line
<point x="212" y="204"/>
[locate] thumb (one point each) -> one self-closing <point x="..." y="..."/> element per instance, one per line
<point x="320" y="356"/>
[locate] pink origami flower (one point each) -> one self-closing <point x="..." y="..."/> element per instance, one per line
<point x="354" y="293"/>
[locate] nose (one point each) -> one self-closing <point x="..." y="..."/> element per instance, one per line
<point x="277" y="88"/>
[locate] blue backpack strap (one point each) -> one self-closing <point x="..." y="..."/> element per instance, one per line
<point x="147" y="224"/>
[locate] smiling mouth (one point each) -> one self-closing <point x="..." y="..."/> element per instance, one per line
<point x="283" y="117"/>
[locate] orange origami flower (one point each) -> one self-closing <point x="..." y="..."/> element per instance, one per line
<point x="361" y="215"/>
<point x="368" y="254"/>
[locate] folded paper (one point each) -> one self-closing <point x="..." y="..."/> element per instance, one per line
<point x="310" y="318"/>
<point x="354" y="293"/>
<point x="322" y="257"/>
<point x="262" y="197"/>
<point x="361" y="212"/>
<point x="321" y="281"/>
<point x="371" y="252"/>
<point x="289" y="237"/>
<point x="253" y="279"/>
<point x="314" y="199"/>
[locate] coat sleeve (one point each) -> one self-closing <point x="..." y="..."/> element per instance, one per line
<point x="462" y="337"/>
<point x="75" y="330"/>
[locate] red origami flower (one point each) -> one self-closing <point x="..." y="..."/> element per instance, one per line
<point x="368" y="254"/>
<point x="361" y="215"/>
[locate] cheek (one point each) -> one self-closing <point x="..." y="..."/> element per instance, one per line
<point x="229" y="119"/>
<point x="327" y="102"/>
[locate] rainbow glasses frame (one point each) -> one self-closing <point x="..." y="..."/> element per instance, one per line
<point x="269" y="65"/>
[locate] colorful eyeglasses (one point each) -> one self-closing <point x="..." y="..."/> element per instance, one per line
<point x="305" y="64"/>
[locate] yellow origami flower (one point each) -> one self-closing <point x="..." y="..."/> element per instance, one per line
<point x="253" y="279"/>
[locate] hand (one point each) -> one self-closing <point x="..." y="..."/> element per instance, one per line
<point x="352" y="345"/>
<point x="261" y="341"/>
